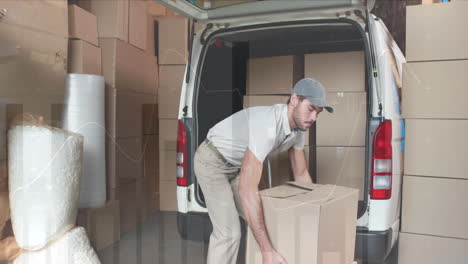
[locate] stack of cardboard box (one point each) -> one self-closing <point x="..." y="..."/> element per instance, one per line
<point x="435" y="185"/>
<point x="130" y="70"/>
<point x="340" y="136"/>
<point x="33" y="70"/>
<point x="173" y="56"/>
<point x="269" y="82"/>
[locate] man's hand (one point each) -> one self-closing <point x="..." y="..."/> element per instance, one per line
<point x="273" y="257"/>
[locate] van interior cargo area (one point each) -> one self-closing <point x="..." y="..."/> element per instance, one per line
<point x="221" y="84"/>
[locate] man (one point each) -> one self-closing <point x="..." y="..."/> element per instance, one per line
<point x="228" y="166"/>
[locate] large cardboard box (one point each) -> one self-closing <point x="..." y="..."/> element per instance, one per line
<point x="137" y="24"/>
<point x="308" y="223"/>
<point x="435" y="89"/>
<point x="82" y="25"/>
<point x="442" y="37"/>
<point x="173" y="48"/>
<point x="168" y="134"/>
<point x="168" y="196"/>
<point x="167" y="165"/>
<point x="346" y="126"/>
<point x="33" y="63"/>
<point x="416" y="248"/>
<point x="83" y="58"/>
<point x="125" y="113"/>
<point x="46" y="16"/>
<point x="438" y="199"/>
<point x="171" y="78"/>
<point x="273" y="75"/>
<point x="124" y="160"/>
<point x="126" y="67"/>
<point x="102" y="224"/>
<point x="337" y="71"/>
<point x="436" y="148"/>
<point x="112" y="17"/>
<point x="343" y="166"/>
<point x="151" y="36"/>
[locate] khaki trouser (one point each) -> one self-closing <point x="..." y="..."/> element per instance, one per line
<point x="219" y="182"/>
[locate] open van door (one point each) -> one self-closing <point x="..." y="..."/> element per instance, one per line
<point x="241" y="11"/>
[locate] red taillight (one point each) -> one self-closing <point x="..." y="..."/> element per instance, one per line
<point x="381" y="181"/>
<point x="181" y="158"/>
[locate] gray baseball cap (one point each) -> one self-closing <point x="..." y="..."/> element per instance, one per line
<point x="314" y="91"/>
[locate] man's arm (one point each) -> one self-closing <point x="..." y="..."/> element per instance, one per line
<point x="298" y="164"/>
<point x="250" y="174"/>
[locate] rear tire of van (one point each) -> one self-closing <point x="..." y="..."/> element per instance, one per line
<point x="194" y="226"/>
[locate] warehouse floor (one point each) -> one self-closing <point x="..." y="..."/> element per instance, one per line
<point x="156" y="241"/>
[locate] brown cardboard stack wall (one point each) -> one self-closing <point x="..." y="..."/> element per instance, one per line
<point x="173" y="47"/>
<point x="310" y="224"/>
<point x="151" y="170"/>
<point x="167" y="162"/>
<point x="170" y="83"/>
<point x="154" y="9"/>
<point x="435" y="181"/>
<point x="124" y="160"/>
<point x="84" y="54"/>
<point x="102" y="224"/>
<point x="446" y="28"/>
<point x="273" y="75"/>
<point x="340" y="136"/>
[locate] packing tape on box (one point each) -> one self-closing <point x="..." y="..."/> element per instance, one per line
<point x="44" y="176"/>
<point x="85" y="114"/>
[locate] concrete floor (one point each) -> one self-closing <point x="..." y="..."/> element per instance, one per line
<point x="157" y="241"/>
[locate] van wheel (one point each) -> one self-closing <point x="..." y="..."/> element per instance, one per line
<point x="194" y="226"/>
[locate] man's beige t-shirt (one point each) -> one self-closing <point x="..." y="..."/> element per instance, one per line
<point x="262" y="129"/>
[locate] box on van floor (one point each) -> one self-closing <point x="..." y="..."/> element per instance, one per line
<point x="273" y="75"/>
<point x="308" y="223"/>
<point x="83" y="58"/>
<point x="170" y="82"/>
<point x="82" y="25"/>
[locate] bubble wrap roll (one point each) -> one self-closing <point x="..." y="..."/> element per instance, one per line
<point x="44" y="177"/>
<point x="72" y="248"/>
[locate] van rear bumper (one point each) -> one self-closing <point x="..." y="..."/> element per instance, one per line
<point x="373" y="246"/>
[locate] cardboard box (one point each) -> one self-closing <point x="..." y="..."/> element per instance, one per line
<point x="273" y="75"/>
<point x="167" y="165"/>
<point x="131" y="197"/>
<point x="337" y="71"/>
<point x="102" y="224"/>
<point x="137" y="24"/>
<point x="346" y="126"/>
<point x="83" y="58"/>
<point x="4" y="175"/>
<point x="308" y="223"/>
<point x="128" y="68"/>
<point x="415" y="248"/>
<point x="112" y="17"/>
<point x="443" y="37"/>
<point x="150" y="119"/>
<point x="343" y="166"/>
<point x="438" y="199"/>
<point x="168" y="196"/>
<point x="171" y="79"/>
<point x="82" y="25"/>
<point x="85" y="4"/>
<point x="435" y="89"/>
<point x="151" y="163"/>
<point x="154" y="9"/>
<point x="124" y="113"/>
<point x="168" y="134"/>
<point x="124" y="160"/>
<point x="46" y="16"/>
<point x="173" y="48"/>
<point x="436" y="148"/>
<point x="42" y="56"/>
<point x="5" y="212"/>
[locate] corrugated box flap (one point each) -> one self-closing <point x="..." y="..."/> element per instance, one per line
<point x="283" y="191"/>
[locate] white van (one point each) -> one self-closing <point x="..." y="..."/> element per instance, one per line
<point x="215" y="84"/>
